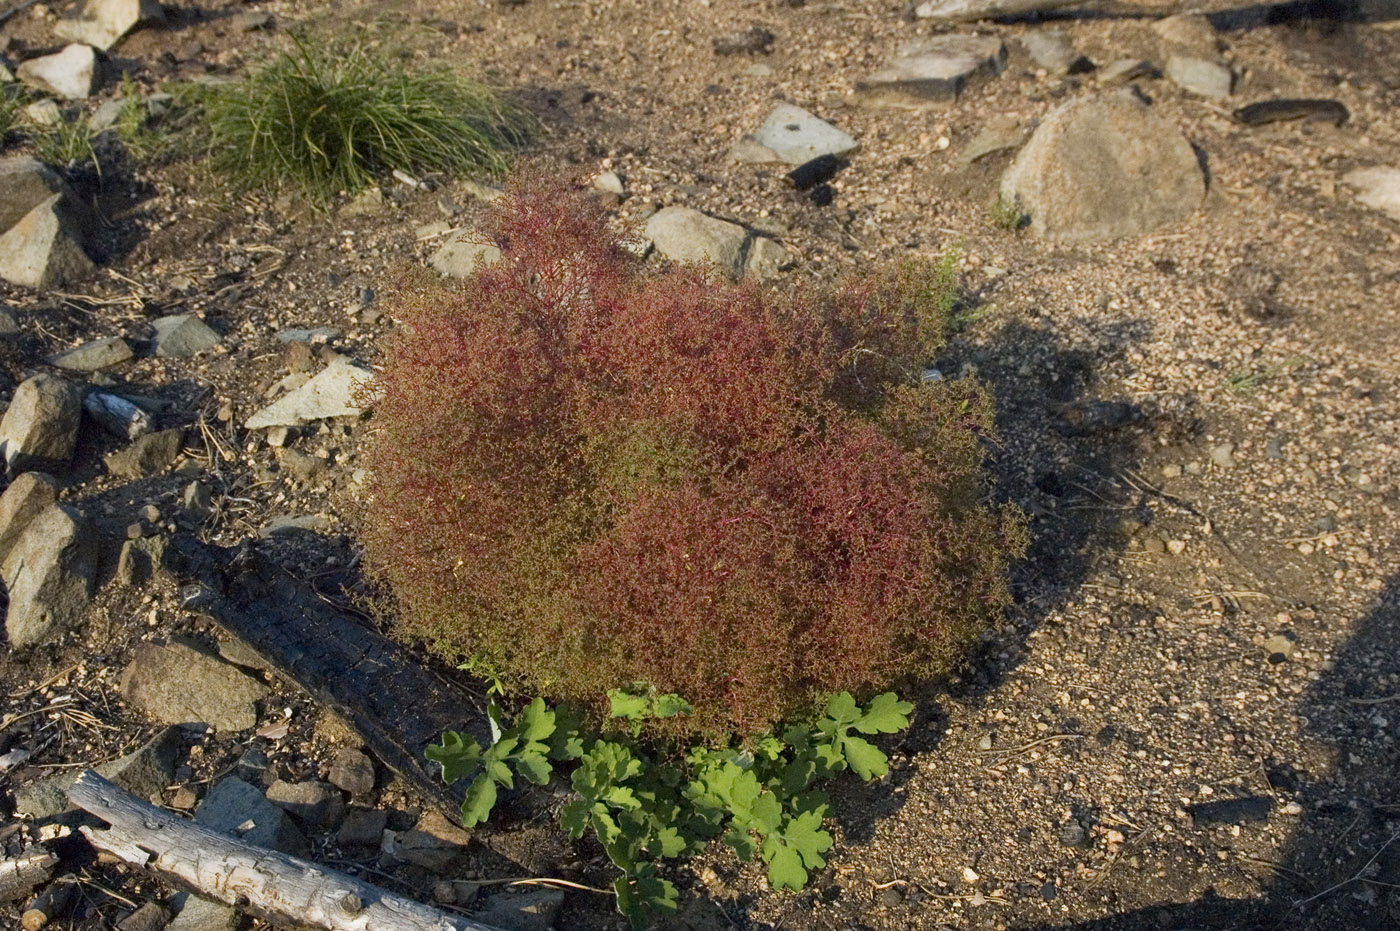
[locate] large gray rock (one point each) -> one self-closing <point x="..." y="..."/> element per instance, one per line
<point x="934" y="70"/>
<point x="1377" y="187"/>
<point x="1102" y="168"/>
<point x="146" y="455"/>
<point x="331" y="393"/>
<point x="74" y="73"/>
<point x="686" y="235"/>
<point x="196" y="914"/>
<point x="351" y="770"/>
<point x="25" y="183"/>
<point x="100" y="23"/>
<point x="138" y="561"/>
<point x="45" y="248"/>
<point x="145" y="773"/>
<point x="233" y="807"/>
<point x="27" y="497"/>
<point x="1200" y="75"/>
<point x="93" y="356"/>
<point x="1053" y="50"/>
<point x="1188" y="31"/>
<point x="40" y="427"/>
<point x="317" y="806"/>
<point x="182" y="681"/>
<point x="49" y="573"/>
<point x="797" y="136"/>
<point x="534" y="910"/>
<point x="183" y="335"/>
<point x="459" y="257"/>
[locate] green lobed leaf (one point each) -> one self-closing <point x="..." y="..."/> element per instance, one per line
<point x="841" y="709"/>
<point x="536" y="722"/>
<point x="670" y="705"/>
<point x="573" y="817"/>
<point x="481" y="798"/>
<point x="623" y="704"/>
<point x="742" y="842"/>
<point x="885" y="714"/>
<point x="865" y="759"/>
<point x="785" y="870"/>
<point x="459" y="756"/>
<point x="767" y="813"/>
<point x="535" y="767"/>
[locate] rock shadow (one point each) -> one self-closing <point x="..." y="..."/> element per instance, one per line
<point x="1342" y="870"/>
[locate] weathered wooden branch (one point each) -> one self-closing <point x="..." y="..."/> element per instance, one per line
<point x="395" y="704"/>
<point x="52" y="903"/>
<point x="19" y="875"/>
<point x="967" y="11"/>
<point x="268" y="883"/>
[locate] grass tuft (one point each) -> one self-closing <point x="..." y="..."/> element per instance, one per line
<point x="330" y="118"/>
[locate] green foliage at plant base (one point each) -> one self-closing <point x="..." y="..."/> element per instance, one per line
<point x="647" y="807"/>
<point x="329" y="117"/>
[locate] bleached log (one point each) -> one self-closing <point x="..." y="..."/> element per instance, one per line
<point x="968" y="11"/>
<point x="266" y="882"/>
<point x="19" y="875"/>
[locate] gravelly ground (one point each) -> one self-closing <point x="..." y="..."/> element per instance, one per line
<point x="1059" y="784"/>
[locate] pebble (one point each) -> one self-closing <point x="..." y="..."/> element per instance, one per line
<point x="1223" y="456"/>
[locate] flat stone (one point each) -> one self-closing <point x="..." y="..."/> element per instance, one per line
<point x="1191" y="31"/>
<point x="1200" y="76"/>
<point x="351" y="770"/>
<point x="94" y="355"/>
<point x="9" y="322"/>
<point x="40" y="427"/>
<point x="934" y="70"/>
<point x="331" y="393"/>
<point x="749" y="151"/>
<point x="1101" y="168"/>
<point x="148" y="770"/>
<point x="362" y="827"/>
<point x="44" y="112"/>
<point x="798" y="137"/>
<point x="193" y="913"/>
<point x="183" y="335"/>
<point x="139" y="560"/>
<point x="235" y="808"/>
<point x="682" y="234"/>
<point x="1377" y="187"/>
<point x="367" y="203"/>
<point x="1000" y="133"/>
<point x="196" y="500"/>
<point x="73" y="74"/>
<point x="1125" y="70"/>
<point x="1053" y="50"/>
<point x="45" y="248"/>
<point x="766" y="259"/>
<point x="317" y="806"/>
<point x="459" y="257"/>
<point x="25" y="183"/>
<point x="102" y="23"/>
<point x="182" y="681"/>
<point x="49" y="573"/>
<point x="294" y="523"/>
<point x="146" y="455"/>
<point x="534" y="910"/>
<point x="29" y="495"/>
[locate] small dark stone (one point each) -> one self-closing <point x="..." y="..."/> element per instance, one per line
<point x="1325" y="524"/>
<point x="1048" y="892"/>
<point x="891" y="897"/>
<point x="822" y="195"/>
<point x="1272" y="111"/>
<point x="1072" y="834"/>
<point x="1106" y="735"/>
<point x="817" y="171"/>
<point x="752" y="41"/>
<point x="1252" y="808"/>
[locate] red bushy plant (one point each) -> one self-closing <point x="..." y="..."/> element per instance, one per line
<point x="585" y="476"/>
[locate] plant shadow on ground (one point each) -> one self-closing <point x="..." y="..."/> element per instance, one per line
<point x="1342" y="868"/>
<point x="1058" y="450"/>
